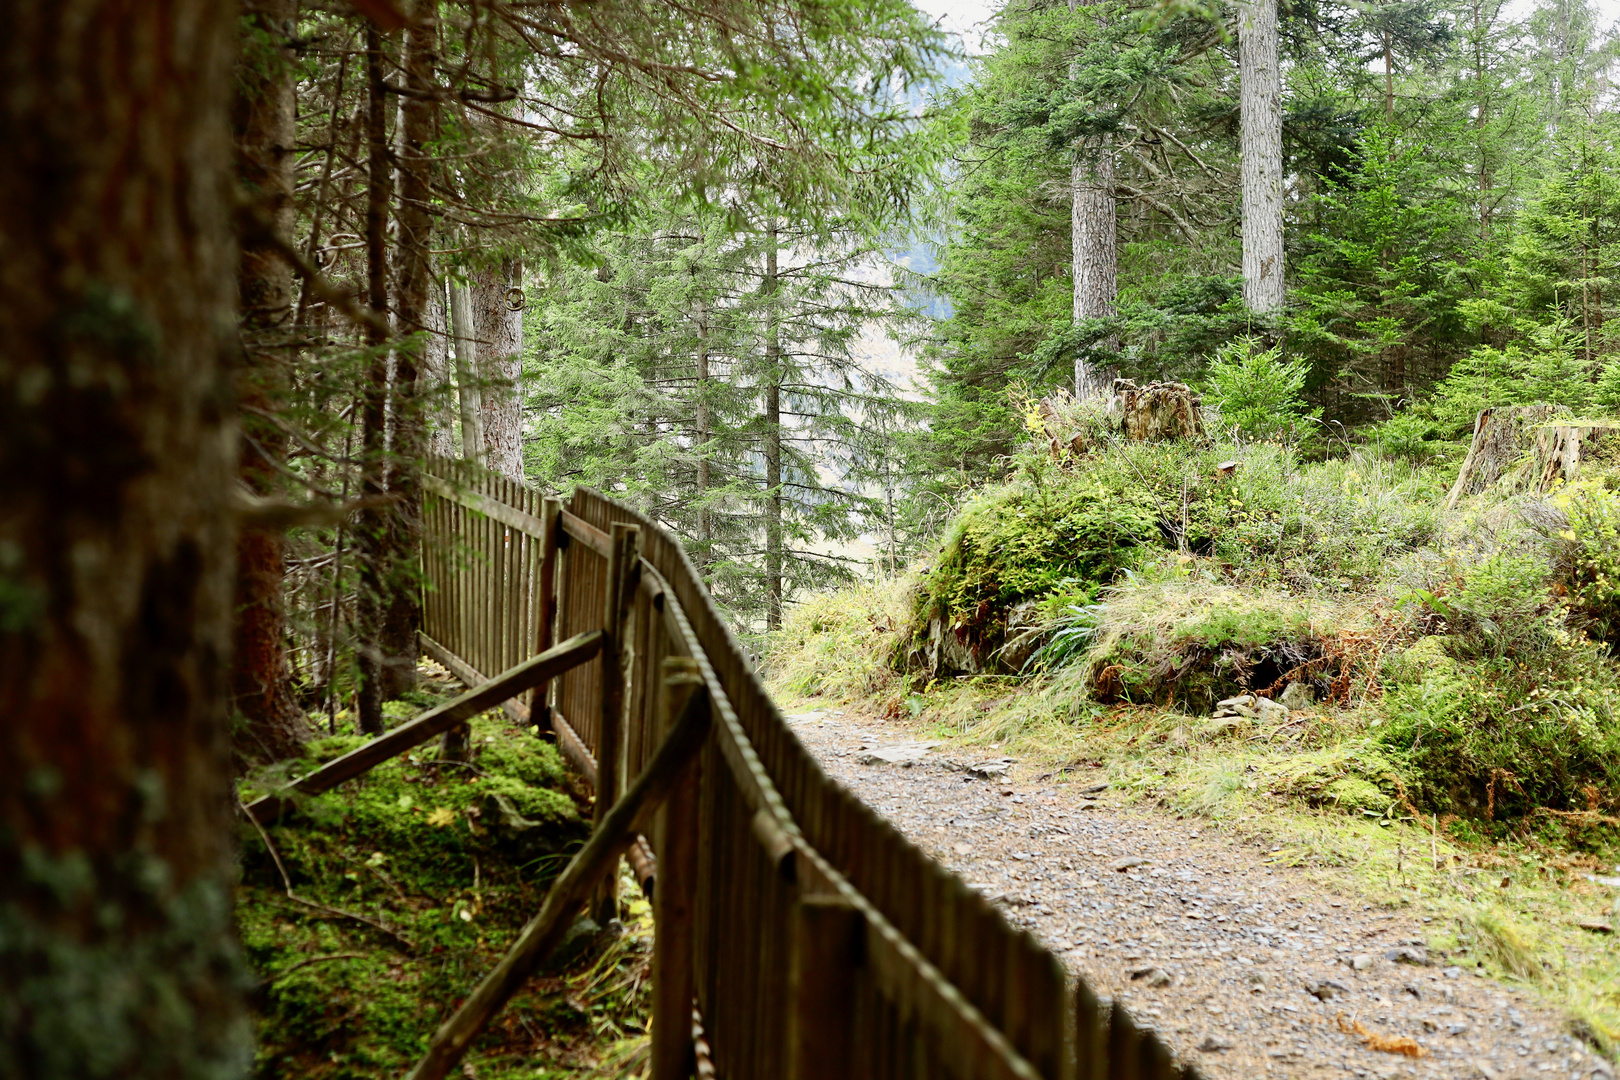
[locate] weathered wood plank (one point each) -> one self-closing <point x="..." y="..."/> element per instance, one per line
<point x="487" y="505"/>
<point x="673" y="913"/>
<point x="587" y="534"/>
<point x="415" y="732"/>
<point x="612" y="836"/>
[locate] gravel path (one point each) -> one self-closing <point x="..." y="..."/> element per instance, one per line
<point x="1250" y="971"/>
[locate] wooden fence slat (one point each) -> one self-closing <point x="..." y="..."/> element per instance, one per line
<point x="673" y="897"/>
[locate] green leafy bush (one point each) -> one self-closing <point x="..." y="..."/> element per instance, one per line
<point x="1192" y="644"/>
<point x="1594" y="553"/>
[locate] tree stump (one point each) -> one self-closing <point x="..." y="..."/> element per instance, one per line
<point x="1156" y="412"/>
<point x="1520" y="448"/>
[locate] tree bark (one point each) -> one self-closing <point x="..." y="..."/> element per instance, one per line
<point x="264" y="106"/>
<point x="437" y="377"/>
<point x="467" y="391"/>
<point x="418" y="120"/>
<point x="117" y="952"/>
<point x="499" y="330"/>
<point x="773" y="438"/>
<point x="1260" y="107"/>
<point x="372" y="527"/>
<point x="1094" y="255"/>
<point x="704" y="426"/>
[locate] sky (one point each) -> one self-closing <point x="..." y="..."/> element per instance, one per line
<point x="960" y="17"/>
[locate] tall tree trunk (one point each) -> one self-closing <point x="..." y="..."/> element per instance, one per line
<point x="1481" y="103"/>
<point x="418" y="120"/>
<point x="437" y="377"/>
<point x="1260" y="103"/>
<point x="704" y="424"/>
<point x="264" y="122"/>
<point x="117" y="953"/>
<point x="1389" y="80"/>
<point x="498" y="324"/>
<point x="372" y="528"/>
<point x="773" y="437"/>
<point x="1095" y="257"/>
<point x="1094" y="249"/>
<point x="468" y="394"/>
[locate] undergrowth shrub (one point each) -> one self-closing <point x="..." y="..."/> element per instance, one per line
<point x="1593" y="553"/>
<point x="1523" y="713"/>
<point x="1047" y="530"/>
<point x="1258" y="393"/>
<point x="841" y="645"/>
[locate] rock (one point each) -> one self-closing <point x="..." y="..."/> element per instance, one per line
<point x="1408" y="954"/>
<point x="1361" y="962"/>
<point x="1456" y="1029"/>
<point x="1214" y="1044"/>
<point x="987" y="770"/>
<point x="1223" y="727"/>
<point x="576" y="940"/>
<point x="1251" y="707"/>
<point x="1093" y="789"/>
<point x="1452" y="973"/>
<point x="1152" y="977"/>
<point x="1298" y="694"/>
<point x="1258" y="981"/>
<point x="1128" y="862"/>
<point x="1326" y="990"/>
<point x="962" y="849"/>
<point x="906" y="753"/>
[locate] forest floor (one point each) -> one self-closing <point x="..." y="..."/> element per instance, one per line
<point x="388" y="899"/>
<point x="1252" y="954"/>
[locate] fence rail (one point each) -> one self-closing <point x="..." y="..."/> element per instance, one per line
<point x="810" y="937"/>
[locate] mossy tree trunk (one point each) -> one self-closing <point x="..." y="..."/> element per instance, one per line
<point x="117" y="459"/>
<point x="1157" y="412"/>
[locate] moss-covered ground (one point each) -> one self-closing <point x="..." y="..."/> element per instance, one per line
<point x="406" y="885"/>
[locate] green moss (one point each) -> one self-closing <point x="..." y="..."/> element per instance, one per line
<point x="415" y="847"/>
<point x="1029" y="538"/>
<point x="1192" y="644"/>
<point x="1354" y="793"/>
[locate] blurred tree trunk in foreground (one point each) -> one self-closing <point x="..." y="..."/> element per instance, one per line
<point x="117" y="954"/>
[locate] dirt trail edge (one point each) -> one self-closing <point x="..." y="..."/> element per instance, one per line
<point x="1249" y="970"/>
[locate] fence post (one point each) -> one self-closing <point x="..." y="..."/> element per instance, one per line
<point x="550" y="526"/>
<point x="1124" y="1045"/>
<point x="624" y="573"/>
<point x="1090" y="1034"/>
<point x="674" y="894"/>
<point x="828" y="946"/>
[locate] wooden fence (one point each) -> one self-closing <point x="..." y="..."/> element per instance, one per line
<point x="804" y="935"/>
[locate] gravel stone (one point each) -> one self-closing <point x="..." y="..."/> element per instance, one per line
<point x="1213" y="913"/>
